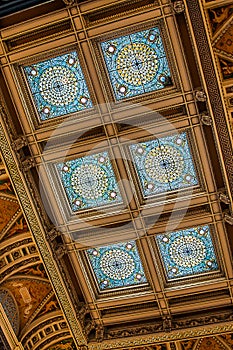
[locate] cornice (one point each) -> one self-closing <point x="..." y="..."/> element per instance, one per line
<point x="18" y="180"/>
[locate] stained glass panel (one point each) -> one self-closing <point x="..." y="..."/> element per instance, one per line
<point x="117" y="265"/>
<point x="89" y="182"/>
<point x="164" y="164"/>
<point x="58" y="86"/>
<point x="187" y="252"/>
<point x="136" y="63"/>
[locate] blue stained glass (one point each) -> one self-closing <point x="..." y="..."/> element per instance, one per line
<point x="89" y="182"/>
<point x="187" y="252"/>
<point x="117" y="265"/>
<point x="136" y="63"/>
<point x="164" y="164"/>
<point x="58" y="86"/>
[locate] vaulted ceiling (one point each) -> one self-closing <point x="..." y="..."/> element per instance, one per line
<point x="116" y="175"/>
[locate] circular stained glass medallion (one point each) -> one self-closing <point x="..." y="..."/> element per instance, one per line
<point x="58" y="86"/>
<point x="117" y="264"/>
<point x="137" y="63"/>
<point x="164" y="164"/>
<point x="89" y="181"/>
<point x="187" y="251"/>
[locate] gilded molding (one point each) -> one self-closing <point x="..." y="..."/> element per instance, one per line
<point x="206" y="119"/>
<point x="212" y="88"/>
<point x="162" y="337"/>
<point x="69" y="2"/>
<point x="179" y="6"/>
<point x="37" y="232"/>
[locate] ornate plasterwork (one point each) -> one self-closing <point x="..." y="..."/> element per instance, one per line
<point x="220" y="25"/>
<point x="212" y="88"/>
<point x="37" y="234"/>
<point x="10" y="307"/>
<point x="22" y="281"/>
<point x="105" y="344"/>
<point x="119" y="10"/>
<point x="163" y="337"/>
<point x="9" y="211"/>
<point x="35" y="228"/>
<point x="45" y="331"/>
<point x="210" y="343"/>
<point x="28" y="293"/>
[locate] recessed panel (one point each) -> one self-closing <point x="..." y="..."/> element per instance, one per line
<point x="164" y="164"/>
<point x="58" y="86"/>
<point x="117" y="265"/>
<point x="89" y="182"/>
<point x="136" y="63"/>
<point x="187" y="252"/>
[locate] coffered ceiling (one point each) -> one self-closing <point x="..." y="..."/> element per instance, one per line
<point x="117" y="180"/>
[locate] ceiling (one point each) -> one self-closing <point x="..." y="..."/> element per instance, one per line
<point x="116" y="175"/>
<point x="9" y="7"/>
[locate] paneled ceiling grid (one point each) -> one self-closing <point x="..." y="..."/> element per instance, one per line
<point x="204" y="207"/>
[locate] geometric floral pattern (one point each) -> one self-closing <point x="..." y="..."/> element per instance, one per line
<point x="164" y="164"/>
<point x="89" y="182"/>
<point x="187" y="252"/>
<point x="117" y="265"/>
<point x="136" y="63"/>
<point x="58" y="86"/>
<point x="10" y="307"/>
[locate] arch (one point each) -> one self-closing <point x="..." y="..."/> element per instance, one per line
<point x="10" y="307"/>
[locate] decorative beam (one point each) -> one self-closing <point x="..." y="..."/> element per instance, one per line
<point x="38" y="232"/>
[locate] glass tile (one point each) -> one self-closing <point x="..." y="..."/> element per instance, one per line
<point x="117" y="265"/>
<point x="89" y="182"/>
<point x="136" y="63"/>
<point x="187" y="252"/>
<point x="164" y="164"/>
<point x="58" y="86"/>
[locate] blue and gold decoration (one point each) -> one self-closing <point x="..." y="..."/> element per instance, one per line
<point x="89" y="182"/>
<point x="58" y="86"/>
<point x="117" y="265"/>
<point x="187" y="252"/>
<point x="136" y="63"/>
<point x="164" y="164"/>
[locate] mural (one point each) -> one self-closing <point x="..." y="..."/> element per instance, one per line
<point x="219" y="15"/>
<point x="27" y="294"/>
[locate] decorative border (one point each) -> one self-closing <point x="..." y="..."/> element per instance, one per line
<point x="89" y="23"/>
<point x="143" y="97"/>
<point x="163" y="337"/>
<point x="192" y="279"/>
<point x="30" y="107"/>
<point x="35" y="227"/>
<point x="212" y="87"/>
<point x="61" y="197"/>
<point x="136" y="289"/>
<point x="200" y="187"/>
<point x="223" y="134"/>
